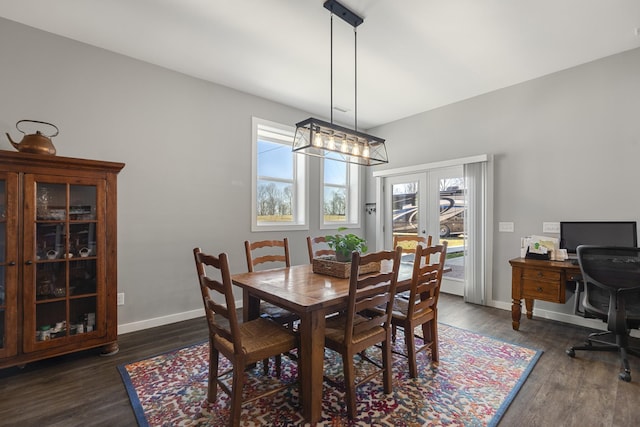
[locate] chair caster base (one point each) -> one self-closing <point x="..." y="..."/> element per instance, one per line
<point x="571" y="352"/>
<point x="625" y="376"/>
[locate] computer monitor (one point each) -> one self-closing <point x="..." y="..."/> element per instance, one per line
<point x="601" y="233"/>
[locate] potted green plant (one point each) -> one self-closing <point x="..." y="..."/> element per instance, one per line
<point x="345" y="244"/>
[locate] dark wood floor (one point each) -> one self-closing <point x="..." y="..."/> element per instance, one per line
<point x="85" y="389"/>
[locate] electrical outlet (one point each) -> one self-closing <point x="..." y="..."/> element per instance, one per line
<point x="551" y="227"/>
<point x="121" y="298"/>
<point x="505" y="227"/>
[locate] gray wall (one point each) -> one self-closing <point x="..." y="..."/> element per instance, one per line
<point x="187" y="148"/>
<point x="566" y="147"/>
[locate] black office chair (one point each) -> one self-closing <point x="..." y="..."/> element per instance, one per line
<point x="611" y="278"/>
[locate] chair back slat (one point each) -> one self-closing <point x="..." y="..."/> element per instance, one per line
<point x="426" y="279"/>
<point x="318" y="246"/>
<point x="409" y="243"/>
<point x="371" y="290"/>
<point x="267" y="251"/>
<point x="222" y="318"/>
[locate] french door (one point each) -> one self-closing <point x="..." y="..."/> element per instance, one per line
<point x="452" y="201"/>
<point x="430" y="203"/>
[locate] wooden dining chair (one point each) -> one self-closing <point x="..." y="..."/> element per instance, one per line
<point x="270" y="254"/>
<point x="353" y="331"/>
<point x="408" y="244"/>
<point x="421" y="309"/>
<point x="243" y="344"/>
<point x="317" y="246"/>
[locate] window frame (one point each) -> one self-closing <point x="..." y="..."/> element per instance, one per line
<point x="300" y="204"/>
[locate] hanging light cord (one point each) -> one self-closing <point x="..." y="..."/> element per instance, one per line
<point x="331" y="65"/>
<point x="355" y="55"/>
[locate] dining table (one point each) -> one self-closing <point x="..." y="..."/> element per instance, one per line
<point x="312" y="296"/>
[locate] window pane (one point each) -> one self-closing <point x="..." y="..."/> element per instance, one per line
<point x="275" y="160"/>
<point x="335" y="204"/>
<point x="275" y="201"/>
<point x="335" y="172"/>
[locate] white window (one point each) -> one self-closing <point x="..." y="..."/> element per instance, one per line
<point x="340" y="194"/>
<point x="279" y="185"/>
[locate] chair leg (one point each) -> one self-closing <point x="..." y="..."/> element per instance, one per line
<point x="265" y="366"/>
<point x="433" y="332"/>
<point x="236" y="398"/>
<point x="212" y="387"/>
<point x="410" y="342"/>
<point x="349" y="384"/>
<point x="387" y="373"/>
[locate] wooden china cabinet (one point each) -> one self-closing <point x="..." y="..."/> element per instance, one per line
<point x="58" y="260"/>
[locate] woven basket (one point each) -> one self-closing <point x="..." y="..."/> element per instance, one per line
<point x="329" y="266"/>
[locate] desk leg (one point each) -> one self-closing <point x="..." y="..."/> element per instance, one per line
<point x="311" y="364"/>
<point x="516" y="312"/>
<point x="528" y="303"/>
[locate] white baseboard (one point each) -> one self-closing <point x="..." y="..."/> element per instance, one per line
<point x="545" y="314"/>
<point x="164" y="320"/>
<point x="560" y="317"/>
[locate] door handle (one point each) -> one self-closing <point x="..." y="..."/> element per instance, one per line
<point x="12" y="263"/>
<point x="29" y="262"/>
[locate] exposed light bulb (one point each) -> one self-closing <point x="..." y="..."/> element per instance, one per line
<point x="365" y="151"/>
<point x="317" y="141"/>
<point x="331" y="145"/>
<point x="345" y="146"/>
<point x="355" y="151"/>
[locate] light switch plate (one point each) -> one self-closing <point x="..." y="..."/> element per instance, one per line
<point x="551" y="227"/>
<point x="505" y="227"/>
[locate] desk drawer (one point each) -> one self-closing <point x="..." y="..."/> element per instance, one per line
<point x="541" y="290"/>
<point x="535" y="274"/>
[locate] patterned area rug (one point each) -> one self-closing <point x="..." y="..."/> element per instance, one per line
<point x="474" y="383"/>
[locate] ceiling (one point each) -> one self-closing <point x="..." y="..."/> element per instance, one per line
<point x="412" y="55"/>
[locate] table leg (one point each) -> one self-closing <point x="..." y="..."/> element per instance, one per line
<point x="311" y="364"/>
<point x="516" y="312"/>
<point x="250" y="306"/>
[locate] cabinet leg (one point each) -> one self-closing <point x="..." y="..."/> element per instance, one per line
<point x="516" y="311"/>
<point x="110" y="349"/>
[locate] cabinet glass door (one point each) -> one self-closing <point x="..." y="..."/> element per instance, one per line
<point x="8" y="269"/>
<point x="66" y="289"/>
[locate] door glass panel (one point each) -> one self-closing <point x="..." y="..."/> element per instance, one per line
<point x="82" y="277"/>
<point x="3" y="239"/>
<point x="3" y="257"/>
<point x="67" y="263"/>
<point x="1" y="327"/>
<point x="406" y="214"/>
<point x="82" y="202"/>
<point x="51" y="280"/>
<point x="51" y="201"/>
<point x="452" y="215"/>
<point x="3" y="199"/>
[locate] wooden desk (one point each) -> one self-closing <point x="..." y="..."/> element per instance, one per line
<point x="311" y="296"/>
<point x="533" y="279"/>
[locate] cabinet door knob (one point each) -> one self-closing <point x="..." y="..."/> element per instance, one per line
<point x="539" y="289"/>
<point x="29" y="262"/>
<point x="12" y="263"/>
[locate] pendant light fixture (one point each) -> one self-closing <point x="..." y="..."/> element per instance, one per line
<point x="319" y="138"/>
